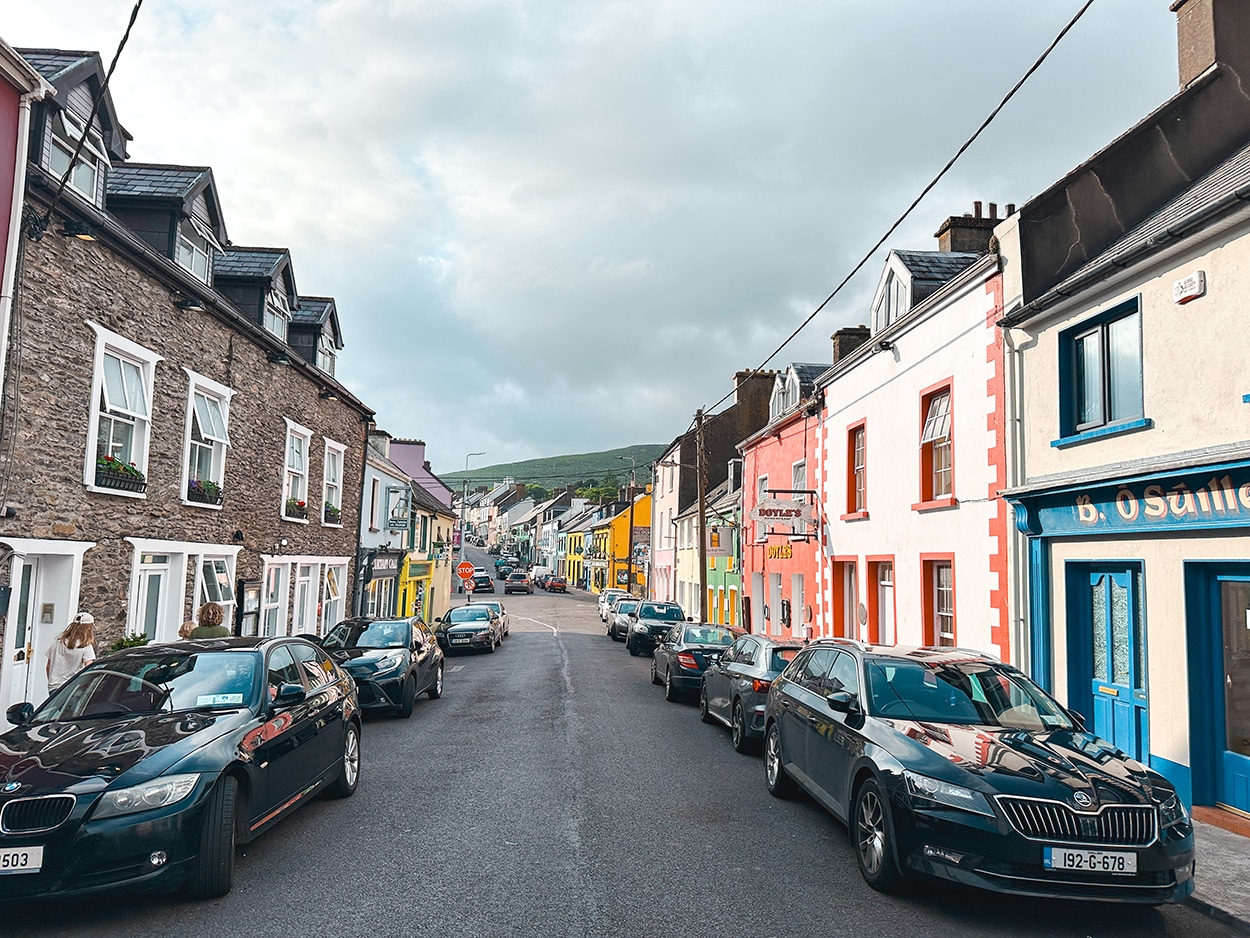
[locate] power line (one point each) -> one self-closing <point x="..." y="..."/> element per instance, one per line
<point x="915" y="202"/>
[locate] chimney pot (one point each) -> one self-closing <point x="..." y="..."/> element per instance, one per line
<point x="848" y="340"/>
<point x="993" y="210"/>
<point x="1011" y="209"/>
<point x="976" y="209"/>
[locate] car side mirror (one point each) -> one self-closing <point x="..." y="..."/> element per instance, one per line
<point x="1078" y="720"/>
<point x="20" y="714"/>
<point x="689" y="618"/>
<point x="843" y="702"/>
<point x="634" y="616"/>
<point x="289" y="695"/>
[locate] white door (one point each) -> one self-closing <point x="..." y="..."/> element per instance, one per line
<point x="305" y="599"/>
<point x="29" y="680"/>
<point x="153" y="577"/>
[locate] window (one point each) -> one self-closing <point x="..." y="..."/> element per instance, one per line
<point x="295" y="481"/>
<point x="208" y="417"/>
<point x="375" y="504"/>
<point x="271" y="600"/>
<point x="761" y="493"/>
<point x="216" y="586"/>
<point x="67" y="129"/>
<point x="195" y="248"/>
<point x="325" y="353"/>
<point x="939" y="602"/>
<point x="798" y="482"/>
<point x="892" y="302"/>
<point x="277" y="313"/>
<point x="857" y="470"/>
<point x="332" y="488"/>
<point x="935" y="446"/>
<point x="120" y="425"/>
<point x="1104" y="381"/>
<point x="332" y="597"/>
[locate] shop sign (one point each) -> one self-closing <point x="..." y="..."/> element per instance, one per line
<point x="386" y="566"/>
<point x="720" y="541"/>
<point x="782" y="510"/>
<point x="418" y="571"/>
<point x="642" y="535"/>
<point x="780" y="551"/>
<point x="1218" y="497"/>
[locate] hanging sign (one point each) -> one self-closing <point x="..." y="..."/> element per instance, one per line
<point x="720" y="541"/>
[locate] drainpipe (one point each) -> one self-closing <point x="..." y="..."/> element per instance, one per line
<point x="1015" y="476"/>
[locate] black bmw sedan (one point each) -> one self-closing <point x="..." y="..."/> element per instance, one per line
<point x="146" y="769"/>
<point x="948" y="763"/>
<point x="391" y="661"/>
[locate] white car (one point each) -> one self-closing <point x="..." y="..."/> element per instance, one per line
<point x="496" y="605"/>
<point x="606" y="599"/>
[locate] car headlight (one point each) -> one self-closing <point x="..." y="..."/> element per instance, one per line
<point x="924" y="788"/>
<point x="482" y="636"/>
<point x="639" y="627"/>
<point x="389" y="663"/>
<point x="158" y="793"/>
<point x="1173" y="811"/>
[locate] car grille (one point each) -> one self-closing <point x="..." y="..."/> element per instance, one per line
<point x="1114" y="825"/>
<point x="28" y="815"/>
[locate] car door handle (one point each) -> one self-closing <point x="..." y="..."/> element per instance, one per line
<point x="812" y="721"/>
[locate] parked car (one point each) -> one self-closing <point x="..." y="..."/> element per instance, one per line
<point x="517" y="583"/>
<point x="391" y="661"/>
<point x="681" y="658"/>
<point x="946" y="762"/>
<point x="505" y="621"/>
<point x="606" y="599"/>
<point x="145" y="769"/>
<point x="557" y="584"/>
<point x="472" y="626"/>
<point x="482" y="583"/>
<point x="621" y="617"/>
<point x="502" y="571"/>
<point x="652" y="622"/>
<point x="735" y="686"/>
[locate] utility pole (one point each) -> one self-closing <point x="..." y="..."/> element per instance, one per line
<point x="629" y="542"/>
<point x="463" y="499"/>
<point x="701" y="478"/>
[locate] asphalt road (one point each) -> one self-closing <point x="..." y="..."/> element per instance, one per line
<point x="552" y="791"/>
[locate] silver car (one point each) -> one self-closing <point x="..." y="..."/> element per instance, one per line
<point x="497" y="605"/>
<point x="606" y="599"/>
<point x="621" y="615"/>
<point x="735" y="687"/>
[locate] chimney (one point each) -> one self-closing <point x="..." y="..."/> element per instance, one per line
<point x="848" y="340"/>
<point x="968" y="234"/>
<point x="1209" y="32"/>
<point x="380" y="442"/>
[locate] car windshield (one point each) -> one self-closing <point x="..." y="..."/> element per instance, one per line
<point x="663" y="612"/>
<point x="468" y="613"/>
<point x="150" y="684"/>
<point x="709" y="635"/>
<point x="976" y="692"/>
<point x="381" y="634"/>
<point x="626" y="606"/>
<point x="781" y="657"/>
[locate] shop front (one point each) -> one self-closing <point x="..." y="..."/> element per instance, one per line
<point x="381" y="595"/>
<point x="1139" y="601"/>
<point x="416" y="589"/>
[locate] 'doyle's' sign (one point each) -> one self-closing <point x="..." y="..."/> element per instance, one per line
<point x="781" y="511"/>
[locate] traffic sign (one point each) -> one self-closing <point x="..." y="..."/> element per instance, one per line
<point x="464" y="570"/>
<point x="469" y="586"/>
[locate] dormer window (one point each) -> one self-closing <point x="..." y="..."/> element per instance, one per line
<point x="195" y="249"/>
<point x="893" y="302"/>
<point x="277" y="313"/>
<point x="325" y="353"/>
<point x="67" y="130"/>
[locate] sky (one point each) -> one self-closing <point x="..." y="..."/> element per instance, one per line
<point x="560" y="226"/>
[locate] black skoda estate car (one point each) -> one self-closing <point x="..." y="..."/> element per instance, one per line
<point x="949" y="763"/>
<point x="145" y="769"/>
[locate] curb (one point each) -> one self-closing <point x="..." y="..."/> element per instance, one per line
<point x="1227" y="918"/>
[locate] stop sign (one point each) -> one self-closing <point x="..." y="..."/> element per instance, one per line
<point x="464" y="570"/>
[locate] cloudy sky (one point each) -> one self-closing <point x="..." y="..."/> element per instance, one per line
<point x="558" y="226"/>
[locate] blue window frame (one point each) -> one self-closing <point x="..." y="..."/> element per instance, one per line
<point x="1100" y="379"/>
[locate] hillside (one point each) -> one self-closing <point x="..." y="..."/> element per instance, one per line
<point x="553" y="471"/>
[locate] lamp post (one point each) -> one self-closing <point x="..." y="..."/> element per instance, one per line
<point x="630" y="540"/>
<point x="464" y="498"/>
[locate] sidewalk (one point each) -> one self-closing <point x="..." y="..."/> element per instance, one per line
<point x="1222" y="874"/>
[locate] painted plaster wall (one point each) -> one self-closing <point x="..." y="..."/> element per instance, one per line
<point x="664" y="496"/>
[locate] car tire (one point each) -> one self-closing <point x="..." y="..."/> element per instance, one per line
<point x="349" y="765"/>
<point x="670" y="692"/>
<point x="214" y="867"/>
<point x="490" y="648"/>
<point x="655" y="676"/>
<point x="780" y="784"/>
<point x="705" y="714"/>
<point x="437" y="690"/>
<point x="404" y="710"/>
<point x="738" y="730"/>
<point x="633" y="648"/>
<point x="872" y="836"/>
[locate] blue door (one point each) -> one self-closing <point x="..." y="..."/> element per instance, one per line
<point x="1232" y="777"/>
<point x="1119" y="661"/>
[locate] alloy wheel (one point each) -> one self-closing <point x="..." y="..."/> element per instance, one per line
<point x="736" y="729"/>
<point x="870" y="832"/>
<point x="351" y="758"/>
<point x="772" y="758"/>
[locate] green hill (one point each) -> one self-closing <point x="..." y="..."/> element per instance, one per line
<point x="554" y="471"/>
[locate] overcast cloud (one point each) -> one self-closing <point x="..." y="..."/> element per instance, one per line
<point x="558" y="226"/>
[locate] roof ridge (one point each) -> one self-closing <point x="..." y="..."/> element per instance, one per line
<point x="131" y="164"/>
<point x="80" y="52"/>
<point x="239" y="249"/>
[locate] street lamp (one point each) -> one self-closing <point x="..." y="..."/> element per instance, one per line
<point x="464" y="498"/>
<point x="630" y="541"/>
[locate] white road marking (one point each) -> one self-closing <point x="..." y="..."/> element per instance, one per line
<point x="554" y="630"/>
<point x="455" y="668"/>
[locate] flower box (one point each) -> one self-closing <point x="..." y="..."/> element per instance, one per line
<point x="332" y="516"/>
<point x="120" y="481"/>
<point x="295" y="509"/>
<point x="206" y="493"/>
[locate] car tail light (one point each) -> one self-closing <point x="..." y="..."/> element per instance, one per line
<point x="687" y="660"/>
<point x="761" y="687"/>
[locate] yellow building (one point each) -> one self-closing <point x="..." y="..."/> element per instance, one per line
<point x="574" y="556"/>
<point x="425" y="574"/>
<point x="619" y="542"/>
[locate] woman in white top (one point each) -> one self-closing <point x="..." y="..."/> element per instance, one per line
<point x="71" y="651"/>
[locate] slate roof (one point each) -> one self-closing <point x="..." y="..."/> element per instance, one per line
<point x="312" y="310"/>
<point x="936" y="266"/>
<point x="153" y="180"/>
<point x="807" y="373"/>
<point x="52" y="63"/>
<point x="248" y="262"/>
<point x="427" y="501"/>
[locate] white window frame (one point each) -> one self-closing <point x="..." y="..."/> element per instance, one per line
<point x="375" y="491"/>
<point x="278" y="309"/>
<point x="798" y="527"/>
<point x="280" y="569"/>
<point x="191" y="232"/>
<point x="204" y="592"/>
<point x="216" y="438"/>
<point x="326" y="353"/>
<point x="937" y="435"/>
<point x="339" y="451"/>
<point x="65" y="139"/>
<point x="120" y="347"/>
<point x="333" y="578"/>
<point x="761" y="493"/>
<point x="294" y="429"/>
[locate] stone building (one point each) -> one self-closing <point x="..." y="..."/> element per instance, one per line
<point x="162" y="443"/>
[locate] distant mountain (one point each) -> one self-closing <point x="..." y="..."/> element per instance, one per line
<point x="553" y="471"/>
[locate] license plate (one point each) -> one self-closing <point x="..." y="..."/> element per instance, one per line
<point x="1088" y="861"/>
<point x="460" y="641"/>
<point x="21" y="859"/>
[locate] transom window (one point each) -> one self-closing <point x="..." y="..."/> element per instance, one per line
<point x="935" y="446"/>
<point x="67" y="129"/>
<point x="1106" y="372"/>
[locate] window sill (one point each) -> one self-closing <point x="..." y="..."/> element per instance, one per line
<point x="206" y="505"/>
<point x="936" y="504"/>
<point x="294" y="520"/>
<point x="854" y="516"/>
<point x="120" y="493"/>
<point x="1115" y="429"/>
<point x="331" y="524"/>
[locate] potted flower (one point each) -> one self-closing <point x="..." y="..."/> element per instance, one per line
<point x="114" y="473"/>
<point x="204" y="491"/>
<point x="296" y="508"/>
<point x="331" y="513"/>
